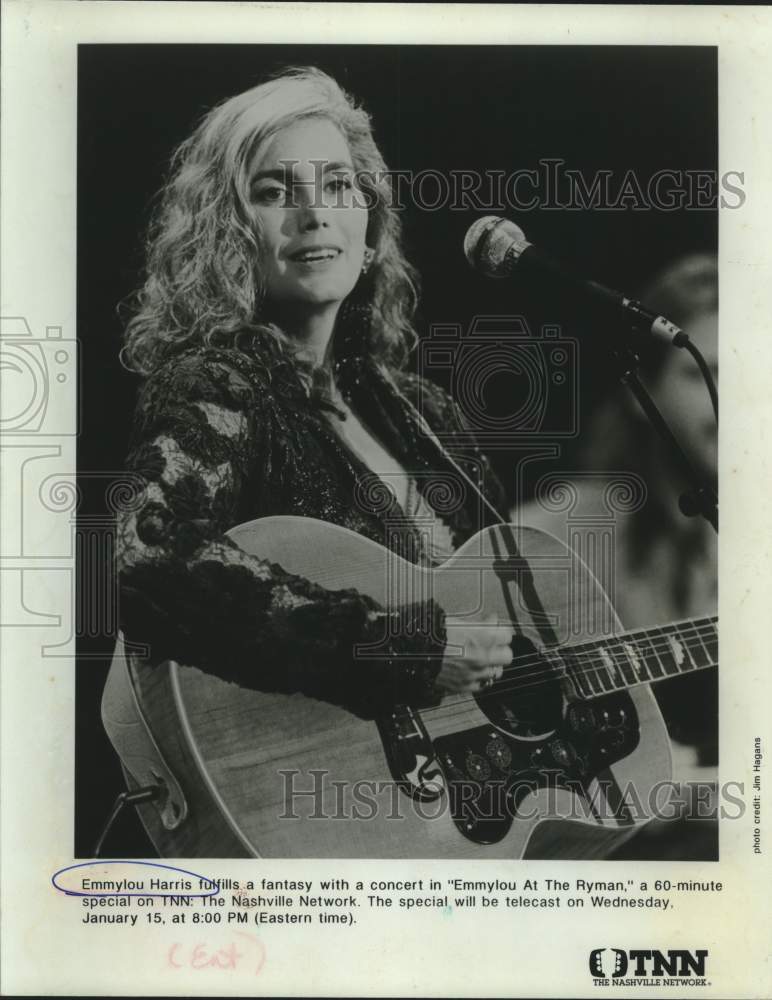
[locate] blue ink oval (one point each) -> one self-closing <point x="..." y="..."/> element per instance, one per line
<point x="144" y="864"/>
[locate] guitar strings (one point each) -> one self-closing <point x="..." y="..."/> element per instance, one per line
<point x="587" y="652"/>
<point x="458" y="707"/>
<point x="592" y="661"/>
<point x="680" y="627"/>
<point x="585" y="666"/>
<point x="585" y="660"/>
<point x="537" y="678"/>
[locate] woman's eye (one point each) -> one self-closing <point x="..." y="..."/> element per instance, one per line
<point x="340" y="183"/>
<point x="273" y="195"/>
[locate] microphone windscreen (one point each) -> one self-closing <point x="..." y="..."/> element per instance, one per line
<point x="492" y="245"/>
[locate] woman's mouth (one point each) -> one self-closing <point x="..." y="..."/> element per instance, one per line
<point x="315" y="255"/>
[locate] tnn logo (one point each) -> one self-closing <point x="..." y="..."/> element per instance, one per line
<point x="646" y="963"/>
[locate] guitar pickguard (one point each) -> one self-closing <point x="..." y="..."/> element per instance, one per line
<point x="534" y="740"/>
<point x="410" y="754"/>
<point x="489" y="774"/>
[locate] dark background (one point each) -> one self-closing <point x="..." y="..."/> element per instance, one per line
<point x="443" y="108"/>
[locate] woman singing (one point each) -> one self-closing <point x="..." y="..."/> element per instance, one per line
<point x="271" y="333"/>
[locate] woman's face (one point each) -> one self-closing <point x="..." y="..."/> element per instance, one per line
<point x="312" y="216"/>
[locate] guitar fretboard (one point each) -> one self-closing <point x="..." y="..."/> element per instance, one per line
<point x="639" y="657"/>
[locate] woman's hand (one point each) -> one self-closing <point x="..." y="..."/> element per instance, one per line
<point x="484" y="652"/>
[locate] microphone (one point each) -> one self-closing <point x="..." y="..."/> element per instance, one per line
<point x="497" y="248"/>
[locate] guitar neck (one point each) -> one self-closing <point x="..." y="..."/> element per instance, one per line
<point x="624" y="661"/>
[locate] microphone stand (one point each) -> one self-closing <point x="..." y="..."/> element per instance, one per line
<point x="700" y="498"/>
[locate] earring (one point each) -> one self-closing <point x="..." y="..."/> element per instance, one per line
<point x="367" y="259"/>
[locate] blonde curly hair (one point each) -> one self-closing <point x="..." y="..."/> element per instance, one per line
<point x="202" y="279"/>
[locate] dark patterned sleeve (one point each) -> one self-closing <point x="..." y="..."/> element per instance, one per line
<point x="202" y="432"/>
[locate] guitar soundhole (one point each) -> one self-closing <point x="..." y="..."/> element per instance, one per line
<point x="528" y="699"/>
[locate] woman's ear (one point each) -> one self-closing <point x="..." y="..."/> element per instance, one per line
<point x="367" y="260"/>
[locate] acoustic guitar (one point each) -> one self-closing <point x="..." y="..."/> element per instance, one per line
<point x="565" y="756"/>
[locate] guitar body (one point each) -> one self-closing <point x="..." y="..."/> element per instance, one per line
<point x="527" y="771"/>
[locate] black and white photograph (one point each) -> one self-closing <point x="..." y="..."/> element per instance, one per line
<point x="348" y="341"/>
<point x="361" y="572"/>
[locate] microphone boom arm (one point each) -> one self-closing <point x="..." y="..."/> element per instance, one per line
<point x="700" y="498"/>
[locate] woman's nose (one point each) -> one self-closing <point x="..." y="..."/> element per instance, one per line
<point x="312" y="218"/>
<point x="312" y="212"/>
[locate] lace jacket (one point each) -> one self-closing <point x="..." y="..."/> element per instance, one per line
<point x="222" y="437"/>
